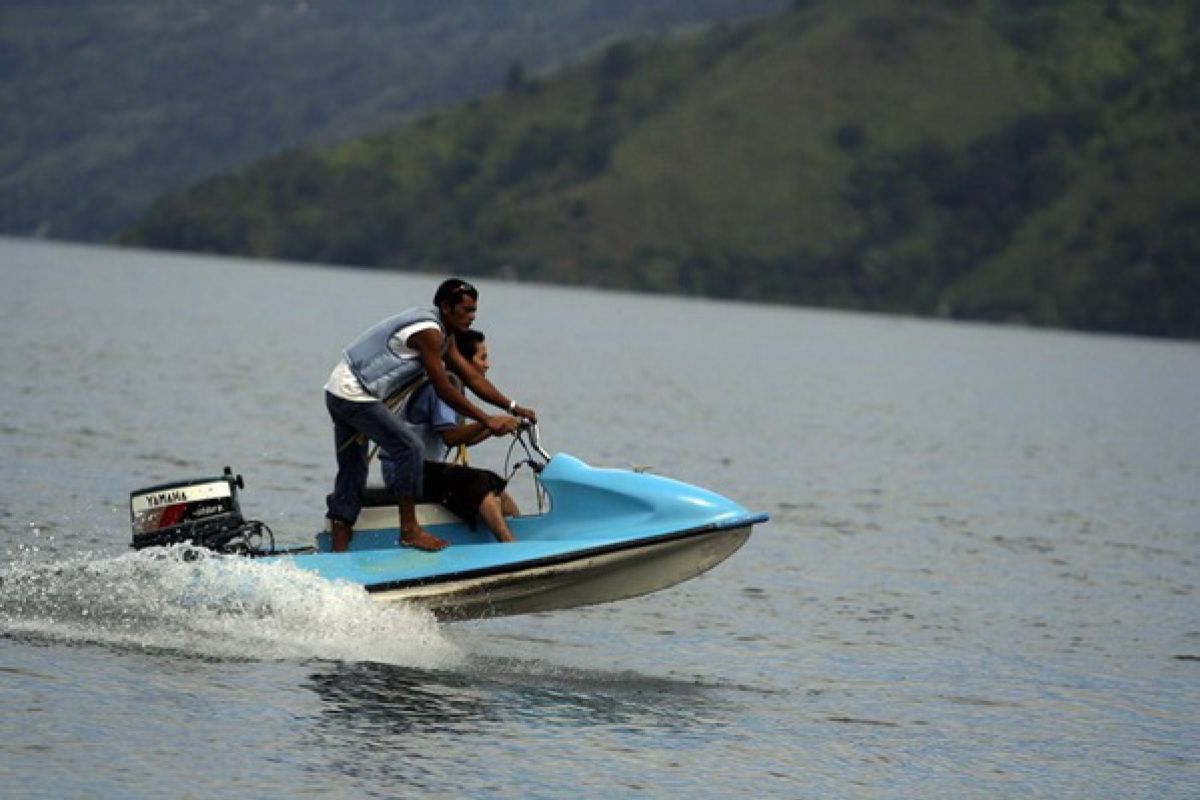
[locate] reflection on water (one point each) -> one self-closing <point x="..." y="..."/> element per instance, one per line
<point x="380" y="722"/>
<point x="376" y="700"/>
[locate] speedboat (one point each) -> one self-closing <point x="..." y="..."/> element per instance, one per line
<point x="599" y="535"/>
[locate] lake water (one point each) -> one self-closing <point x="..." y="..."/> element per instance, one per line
<point x="979" y="579"/>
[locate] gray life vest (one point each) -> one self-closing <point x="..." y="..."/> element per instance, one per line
<point x="382" y="371"/>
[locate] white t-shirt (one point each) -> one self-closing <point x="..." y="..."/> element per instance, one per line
<point x="344" y="384"/>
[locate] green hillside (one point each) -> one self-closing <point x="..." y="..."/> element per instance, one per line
<point x="989" y="160"/>
<point x="106" y="106"/>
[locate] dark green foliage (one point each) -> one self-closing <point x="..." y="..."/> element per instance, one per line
<point x="850" y="137"/>
<point x="980" y="196"/>
<point x="1148" y="280"/>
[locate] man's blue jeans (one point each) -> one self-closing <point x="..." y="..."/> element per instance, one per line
<point x="376" y="423"/>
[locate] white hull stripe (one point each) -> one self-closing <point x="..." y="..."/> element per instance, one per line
<point x="603" y="578"/>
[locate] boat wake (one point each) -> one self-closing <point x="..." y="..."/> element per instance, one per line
<point x="184" y="599"/>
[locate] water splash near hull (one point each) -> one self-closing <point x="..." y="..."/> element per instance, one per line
<point x="186" y="600"/>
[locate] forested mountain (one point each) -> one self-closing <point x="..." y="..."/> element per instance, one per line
<point x="1027" y="160"/>
<point x="105" y="106"/>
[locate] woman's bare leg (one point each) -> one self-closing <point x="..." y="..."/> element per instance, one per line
<point x="493" y="516"/>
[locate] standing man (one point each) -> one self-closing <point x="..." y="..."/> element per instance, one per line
<point x="385" y="363"/>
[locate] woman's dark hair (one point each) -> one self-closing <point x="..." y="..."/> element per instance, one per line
<point x="452" y="290"/>
<point x="468" y="342"/>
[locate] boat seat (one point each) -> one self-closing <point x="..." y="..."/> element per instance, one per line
<point x="379" y="510"/>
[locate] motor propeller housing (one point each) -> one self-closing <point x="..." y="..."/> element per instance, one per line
<point x="204" y="512"/>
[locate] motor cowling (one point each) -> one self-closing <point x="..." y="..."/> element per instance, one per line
<point x="204" y="512"/>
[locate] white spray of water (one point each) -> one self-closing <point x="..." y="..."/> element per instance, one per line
<point x="225" y="607"/>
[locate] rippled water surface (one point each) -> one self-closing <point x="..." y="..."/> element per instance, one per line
<point x="979" y="579"/>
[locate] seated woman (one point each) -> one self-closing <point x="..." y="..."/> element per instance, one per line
<point x="470" y="493"/>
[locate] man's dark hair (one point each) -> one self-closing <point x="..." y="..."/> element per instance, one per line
<point x="452" y="290"/>
<point x="468" y="342"/>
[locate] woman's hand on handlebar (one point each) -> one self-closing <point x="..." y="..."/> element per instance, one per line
<point x="502" y="424"/>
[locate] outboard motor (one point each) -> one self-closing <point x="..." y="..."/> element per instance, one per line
<point x="203" y="512"/>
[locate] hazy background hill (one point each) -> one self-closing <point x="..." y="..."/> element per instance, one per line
<point x="105" y="106"/>
<point x="993" y="160"/>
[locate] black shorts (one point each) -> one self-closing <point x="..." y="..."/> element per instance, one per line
<point x="460" y="489"/>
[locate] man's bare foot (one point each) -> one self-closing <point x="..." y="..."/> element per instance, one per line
<point x="422" y="540"/>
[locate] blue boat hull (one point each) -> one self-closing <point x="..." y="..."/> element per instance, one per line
<point x="608" y="535"/>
